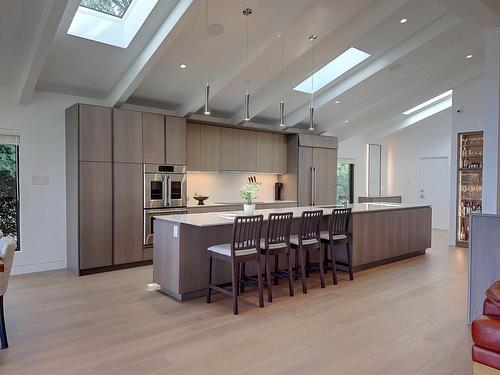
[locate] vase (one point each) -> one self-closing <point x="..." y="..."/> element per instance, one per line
<point x="249" y="209"/>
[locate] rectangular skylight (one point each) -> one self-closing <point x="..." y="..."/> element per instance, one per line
<point x="333" y="70"/>
<point x="114" y="22"/>
<point x="426" y="104"/>
<point x="116" y="8"/>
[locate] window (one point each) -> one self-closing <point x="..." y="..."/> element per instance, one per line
<point x="116" y="8"/>
<point x="113" y="22"/>
<point x="9" y="186"/>
<point x="345" y="182"/>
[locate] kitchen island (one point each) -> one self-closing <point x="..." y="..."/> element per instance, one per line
<point x="381" y="233"/>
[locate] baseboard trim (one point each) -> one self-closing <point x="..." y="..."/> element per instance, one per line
<point x="21" y="269"/>
<point x="91" y="271"/>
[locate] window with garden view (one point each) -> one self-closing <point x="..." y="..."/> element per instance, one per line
<point x="9" y="202"/>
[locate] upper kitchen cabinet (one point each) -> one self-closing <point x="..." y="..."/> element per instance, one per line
<point x="95" y="133"/>
<point x="271" y="153"/>
<point x="248" y="150"/>
<point x="203" y="148"/>
<point x="127" y="136"/>
<point x="175" y="140"/>
<point x="229" y="149"/>
<point x="153" y="138"/>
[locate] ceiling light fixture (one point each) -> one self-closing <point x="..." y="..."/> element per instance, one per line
<point x="206" y="109"/>
<point x="312" y="38"/>
<point x="183" y="66"/>
<point x="346" y="121"/>
<point x="404" y="20"/>
<point x="247" y="12"/>
<point x="337" y="102"/>
<point x="468" y="57"/>
<point x="426" y="104"/>
<point x="282" y="102"/>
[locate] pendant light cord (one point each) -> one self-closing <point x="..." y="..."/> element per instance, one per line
<point x="206" y="40"/>
<point x="282" y="68"/>
<point x="312" y="75"/>
<point x="246" y="69"/>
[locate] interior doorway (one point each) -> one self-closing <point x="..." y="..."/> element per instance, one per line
<point x="435" y="189"/>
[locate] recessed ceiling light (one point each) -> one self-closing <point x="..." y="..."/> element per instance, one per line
<point x="346" y="121"/>
<point x="468" y="57"/>
<point x="183" y="66"/>
<point x="426" y="104"/>
<point x="337" y="102"/>
<point x="404" y="20"/>
<point x="333" y="70"/>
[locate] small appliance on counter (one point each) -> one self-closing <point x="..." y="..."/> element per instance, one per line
<point x="278" y="186"/>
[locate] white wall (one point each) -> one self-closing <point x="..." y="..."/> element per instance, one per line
<point x="226" y="186"/>
<point x="428" y="138"/>
<point x="40" y="126"/>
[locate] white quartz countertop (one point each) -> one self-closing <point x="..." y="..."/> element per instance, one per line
<point x="235" y="203"/>
<point x="222" y="218"/>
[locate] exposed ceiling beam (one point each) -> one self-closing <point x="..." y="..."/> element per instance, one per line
<point x="416" y="40"/>
<point x="265" y="37"/>
<point x="167" y="32"/>
<point x="46" y="29"/>
<point x="341" y="38"/>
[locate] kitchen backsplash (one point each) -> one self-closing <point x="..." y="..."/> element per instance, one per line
<point x="226" y="186"/>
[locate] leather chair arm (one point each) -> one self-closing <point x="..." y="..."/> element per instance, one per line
<point x="490" y="309"/>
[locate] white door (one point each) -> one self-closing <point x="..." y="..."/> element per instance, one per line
<point x="435" y="189"/>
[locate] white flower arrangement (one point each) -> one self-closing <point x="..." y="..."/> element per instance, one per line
<point x="248" y="192"/>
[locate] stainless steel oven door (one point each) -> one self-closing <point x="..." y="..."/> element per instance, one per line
<point x="155" y="190"/>
<point x="177" y="194"/>
<point x="149" y="222"/>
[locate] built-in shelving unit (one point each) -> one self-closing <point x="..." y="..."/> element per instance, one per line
<point x="469" y="182"/>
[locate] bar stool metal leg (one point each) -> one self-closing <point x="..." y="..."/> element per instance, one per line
<point x="235" y="287"/>
<point x="334" y="267"/>
<point x="259" y="282"/>
<point x="302" y="269"/>
<point x="268" y="278"/>
<point x="290" y="273"/>
<point x="209" y="290"/>
<point x="321" y="270"/>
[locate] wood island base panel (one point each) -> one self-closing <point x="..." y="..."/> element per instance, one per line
<point x="381" y="233"/>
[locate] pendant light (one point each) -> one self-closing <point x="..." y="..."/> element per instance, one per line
<point x="312" y="38"/>
<point x="282" y="102"/>
<point x="247" y="12"/>
<point x="207" y="85"/>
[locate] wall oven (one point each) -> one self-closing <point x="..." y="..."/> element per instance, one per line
<point x="149" y="219"/>
<point x="164" y="186"/>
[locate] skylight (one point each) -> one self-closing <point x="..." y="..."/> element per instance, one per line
<point x="116" y="8"/>
<point x="429" y="102"/>
<point x="114" y="22"/>
<point x="333" y="70"/>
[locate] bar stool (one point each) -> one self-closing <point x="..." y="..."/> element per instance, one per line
<point x="245" y="247"/>
<point x="338" y="234"/>
<point x="308" y="239"/>
<point x="277" y="242"/>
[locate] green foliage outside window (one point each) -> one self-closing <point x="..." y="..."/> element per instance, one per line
<point x="8" y="190"/>
<point x="116" y="8"/>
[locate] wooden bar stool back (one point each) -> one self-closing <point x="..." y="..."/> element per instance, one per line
<point x="277" y="242"/>
<point x="338" y="234"/>
<point x="308" y="239"/>
<point x="244" y="247"/>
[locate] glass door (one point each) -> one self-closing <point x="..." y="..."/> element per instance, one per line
<point x="9" y="187"/>
<point x="470" y="182"/>
<point x="345" y="182"/>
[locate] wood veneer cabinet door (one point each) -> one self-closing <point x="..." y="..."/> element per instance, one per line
<point x="127" y="136"/>
<point x="325" y="164"/>
<point x="153" y="138"/>
<point x="266" y="152"/>
<point x="95" y="133"/>
<point x="248" y="150"/>
<point x="210" y="148"/>
<point x="95" y="216"/>
<point x="304" y="178"/>
<point x="127" y="213"/>
<point x="229" y="149"/>
<point x="280" y="158"/>
<point x="193" y="138"/>
<point x="175" y="140"/>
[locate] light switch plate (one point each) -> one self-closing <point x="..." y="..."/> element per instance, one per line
<point x="39" y="180"/>
<point x="176" y="231"/>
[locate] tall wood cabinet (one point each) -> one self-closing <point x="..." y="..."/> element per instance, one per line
<point x="89" y="187"/>
<point x="312" y="170"/>
<point x="203" y="148"/>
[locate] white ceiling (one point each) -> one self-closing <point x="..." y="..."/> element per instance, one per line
<point x="409" y="62"/>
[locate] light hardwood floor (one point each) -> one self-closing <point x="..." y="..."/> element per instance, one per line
<point x="404" y="318"/>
